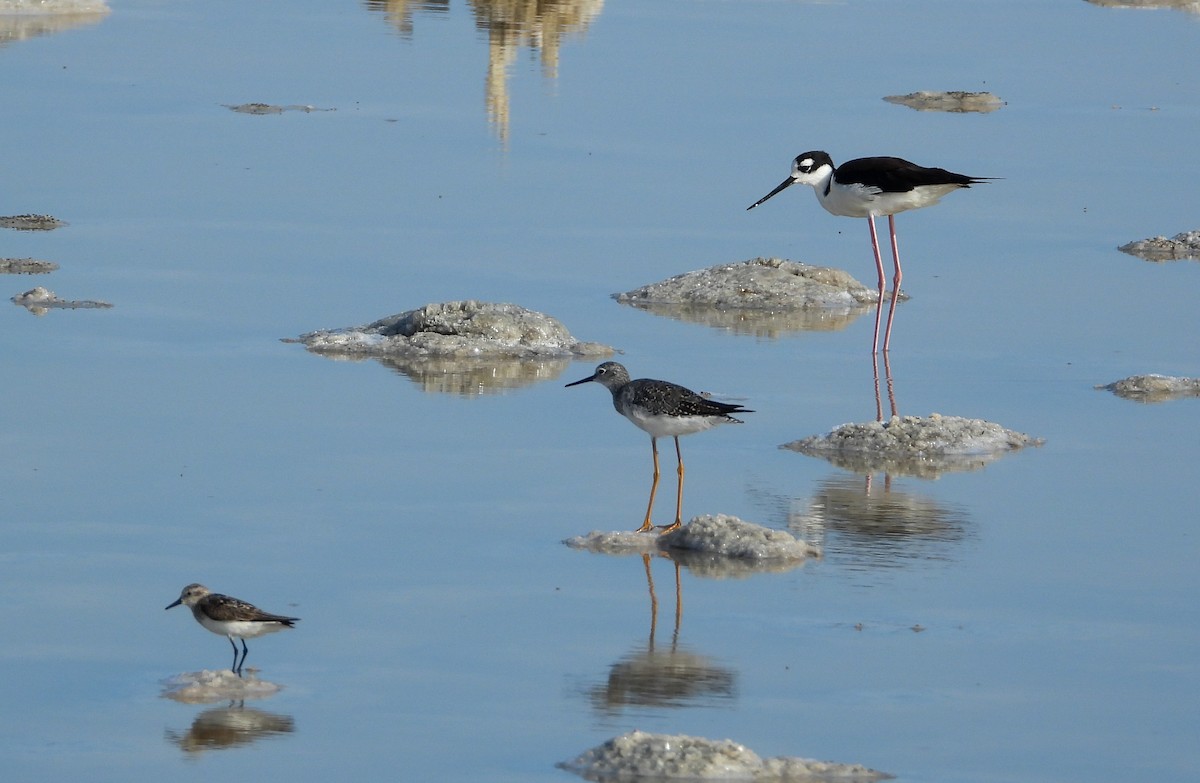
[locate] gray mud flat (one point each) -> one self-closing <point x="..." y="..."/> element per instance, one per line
<point x="1154" y="388"/>
<point x="639" y="755"/>
<point x="955" y="101"/>
<point x="914" y="445"/>
<point x="1183" y="245"/>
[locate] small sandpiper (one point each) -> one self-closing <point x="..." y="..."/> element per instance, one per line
<point x="662" y="408"/>
<point x="230" y="617"/>
<point x="871" y="187"/>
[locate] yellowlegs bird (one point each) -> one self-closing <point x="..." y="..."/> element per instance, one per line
<point x="662" y="408"/>
<point x="871" y="187"/>
<point x="230" y="617"/>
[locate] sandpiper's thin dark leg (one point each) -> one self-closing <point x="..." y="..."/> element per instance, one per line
<point x="647" y="524"/>
<point x="245" y="652"/>
<point x="233" y="644"/>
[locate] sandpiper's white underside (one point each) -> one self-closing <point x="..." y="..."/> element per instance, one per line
<point x="671" y="426"/>
<point x="241" y="629"/>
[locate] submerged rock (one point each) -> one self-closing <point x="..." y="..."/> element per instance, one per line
<point x="39" y="300"/>
<point x="914" y="445"/>
<point x="466" y="329"/>
<point x="643" y="756"/>
<point x="1154" y="388"/>
<point x="951" y="101"/>
<point x="1183" y="245"/>
<point x="26" y="266"/>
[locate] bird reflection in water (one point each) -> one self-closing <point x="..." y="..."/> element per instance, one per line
<point x="879" y="528"/>
<point x="649" y="677"/>
<point x="220" y="728"/>
<point x="511" y="25"/>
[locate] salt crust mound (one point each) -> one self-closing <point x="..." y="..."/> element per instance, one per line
<point x="40" y="298"/>
<point x="1154" y="387"/>
<point x="760" y="283"/>
<point x="1182" y="245"/>
<point x="456" y="329"/>
<point x="26" y="266"/>
<point x="34" y="7"/>
<point x="720" y="534"/>
<point x="31" y="222"/>
<point x="951" y="101"/>
<point x="642" y="756"/>
<point x="268" y="108"/>
<point x="207" y="686"/>
<point x="909" y="436"/>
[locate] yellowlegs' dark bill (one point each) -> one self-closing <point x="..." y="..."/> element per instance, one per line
<point x="871" y="187"/>
<point x="662" y="408"/>
<point x="230" y="617"/>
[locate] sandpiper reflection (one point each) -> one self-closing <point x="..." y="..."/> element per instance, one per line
<point x="219" y="728"/>
<point x="651" y="677"/>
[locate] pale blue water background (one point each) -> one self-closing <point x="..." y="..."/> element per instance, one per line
<point x="447" y="634"/>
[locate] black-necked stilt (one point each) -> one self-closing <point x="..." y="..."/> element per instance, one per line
<point x="230" y="617"/>
<point x="662" y="408"/>
<point x="871" y="187"/>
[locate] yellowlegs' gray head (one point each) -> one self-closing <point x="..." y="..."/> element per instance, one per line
<point x="610" y="375"/>
<point x="191" y="595"/>
<point x="809" y="168"/>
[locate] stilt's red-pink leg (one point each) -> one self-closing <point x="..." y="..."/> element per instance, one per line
<point x="887" y="335"/>
<point x="878" y="399"/>
<point x="882" y="286"/>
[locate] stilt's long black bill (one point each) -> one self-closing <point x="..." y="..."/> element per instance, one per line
<point x="782" y="185"/>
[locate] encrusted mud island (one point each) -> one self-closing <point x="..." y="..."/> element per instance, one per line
<point x="1154" y="388"/>
<point x="914" y="445"/>
<point x="955" y="101"/>
<point x="639" y="755"/>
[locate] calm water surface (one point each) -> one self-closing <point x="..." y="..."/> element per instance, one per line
<point x="1035" y="620"/>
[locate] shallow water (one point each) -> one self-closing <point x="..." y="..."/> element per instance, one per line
<point x="1032" y="620"/>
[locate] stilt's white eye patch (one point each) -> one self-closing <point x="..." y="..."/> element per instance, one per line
<point x="805" y="165"/>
